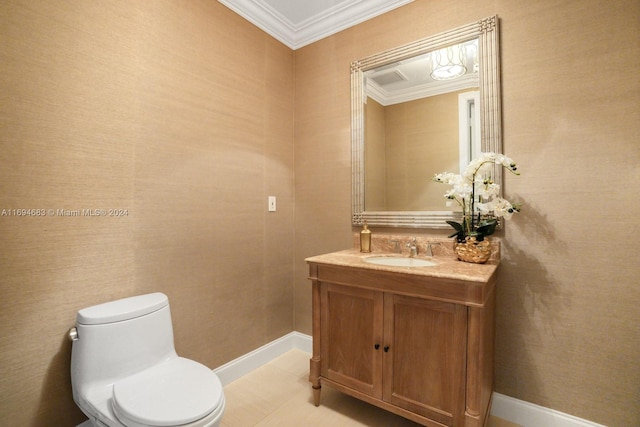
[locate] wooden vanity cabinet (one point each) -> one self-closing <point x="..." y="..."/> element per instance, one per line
<point x="383" y="338"/>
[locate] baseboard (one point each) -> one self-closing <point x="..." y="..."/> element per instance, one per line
<point x="530" y="415"/>
<point x="508" y="408"/>
<point x="241" y="366"/>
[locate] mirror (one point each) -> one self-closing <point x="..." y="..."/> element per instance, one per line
<point x="420" y="109"/>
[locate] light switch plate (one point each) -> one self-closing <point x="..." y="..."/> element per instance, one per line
<point x="272" y="203"/>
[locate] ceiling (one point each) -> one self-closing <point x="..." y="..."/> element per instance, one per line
<point x="411" y="78"/>
<point x="298" y="23"/>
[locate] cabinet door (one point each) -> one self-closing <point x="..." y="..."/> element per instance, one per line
<point x="351" y="324"/>
<point x="424" y="365"/>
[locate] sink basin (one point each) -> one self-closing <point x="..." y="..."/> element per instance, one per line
<point x="397" y="261"/>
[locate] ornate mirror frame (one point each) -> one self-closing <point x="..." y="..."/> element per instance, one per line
<point x="486" y="31"/>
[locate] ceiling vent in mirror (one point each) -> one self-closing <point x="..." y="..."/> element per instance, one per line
<point x="389" y="78"/>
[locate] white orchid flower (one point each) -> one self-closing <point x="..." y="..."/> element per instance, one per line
<point x="476" y="192"/>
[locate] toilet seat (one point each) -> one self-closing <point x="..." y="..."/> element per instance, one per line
<point x="173" y="393"/>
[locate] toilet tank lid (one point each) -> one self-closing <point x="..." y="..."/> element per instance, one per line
<point x="123" y="309"/>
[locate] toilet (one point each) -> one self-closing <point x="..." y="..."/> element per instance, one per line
<point x="125" y="370"/>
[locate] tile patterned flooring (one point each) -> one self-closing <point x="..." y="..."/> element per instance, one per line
<point x="278" y="394"/>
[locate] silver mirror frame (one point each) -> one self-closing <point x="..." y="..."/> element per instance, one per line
<point x="486" y="31"/>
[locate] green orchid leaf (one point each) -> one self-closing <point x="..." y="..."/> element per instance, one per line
<point x="459" y="230"/>
<point x="456" y="225"/>
<point x="487" y="227"/>
<point x="460" y="235"/>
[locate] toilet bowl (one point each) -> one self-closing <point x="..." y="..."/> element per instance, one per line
<point x="125" y="371"/>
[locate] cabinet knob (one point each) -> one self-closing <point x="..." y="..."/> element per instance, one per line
<point x="386" y="348"/>
<point x="376" y="346"/>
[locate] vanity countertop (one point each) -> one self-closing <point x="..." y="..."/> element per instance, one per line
<point x="448" y="267"/>
<point x="450" y="280"/>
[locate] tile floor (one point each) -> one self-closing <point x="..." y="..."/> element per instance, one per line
<point x="278" y="394"/>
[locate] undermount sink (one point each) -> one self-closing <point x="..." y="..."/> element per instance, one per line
<point x="397" y="261"/>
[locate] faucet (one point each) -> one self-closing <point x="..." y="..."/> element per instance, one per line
<point x="430" y="249"/>
<point x="413" y="247"/>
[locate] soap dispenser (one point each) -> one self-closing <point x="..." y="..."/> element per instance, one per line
<point x="365" y="239"/>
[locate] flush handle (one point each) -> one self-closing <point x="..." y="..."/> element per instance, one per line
<point x="73" y="334"/>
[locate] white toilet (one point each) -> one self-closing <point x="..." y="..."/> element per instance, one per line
<point x="125" y="370"/>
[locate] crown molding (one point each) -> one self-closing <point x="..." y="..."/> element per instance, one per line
<point x="385" y="97"/>
<point x="324" y="24"/>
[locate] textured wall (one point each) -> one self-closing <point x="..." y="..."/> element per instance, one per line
<point x="411" y="160"/>
<point x="402" y="153"/>
<point x="180" y="112"/>
<point x="568" y="294"/>
<point x="375" y="186"/>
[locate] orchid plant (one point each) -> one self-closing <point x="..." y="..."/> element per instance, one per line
<point x="479" y="197"/>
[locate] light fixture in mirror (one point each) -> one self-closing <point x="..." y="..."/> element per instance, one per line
<point x="398" y="192"/>
<point x="449" y="62"/>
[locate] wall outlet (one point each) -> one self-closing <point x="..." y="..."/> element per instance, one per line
<point x="272" y="203"/>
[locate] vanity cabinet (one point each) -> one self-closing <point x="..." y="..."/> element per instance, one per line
<point x="406" y="351"/>
<point x="418" y="346"/>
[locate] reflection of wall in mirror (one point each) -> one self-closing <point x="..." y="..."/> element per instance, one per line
<point x="374" y="153"/>
<point x="406" y="144"/>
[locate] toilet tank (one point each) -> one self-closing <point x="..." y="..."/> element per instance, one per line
<point x="119" y="338"/>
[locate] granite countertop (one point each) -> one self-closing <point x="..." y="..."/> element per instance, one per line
<point x="449" y="267"/>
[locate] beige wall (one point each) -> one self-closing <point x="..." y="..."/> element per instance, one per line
<point x="402" y="154"/>
<point x="375" y="177"/>
<point x="417" y="149"/>
<point x="180" y="112"/>
<point x="568" y="294"/>
<point x="183" y="114"/>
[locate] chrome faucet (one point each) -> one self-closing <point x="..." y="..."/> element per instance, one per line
<point x="413" y="247"/>
<point x="430" y="249"/>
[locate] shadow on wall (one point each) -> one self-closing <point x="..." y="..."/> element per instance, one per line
<point x="57" y="407"/>
<point x="530" y="304"/>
